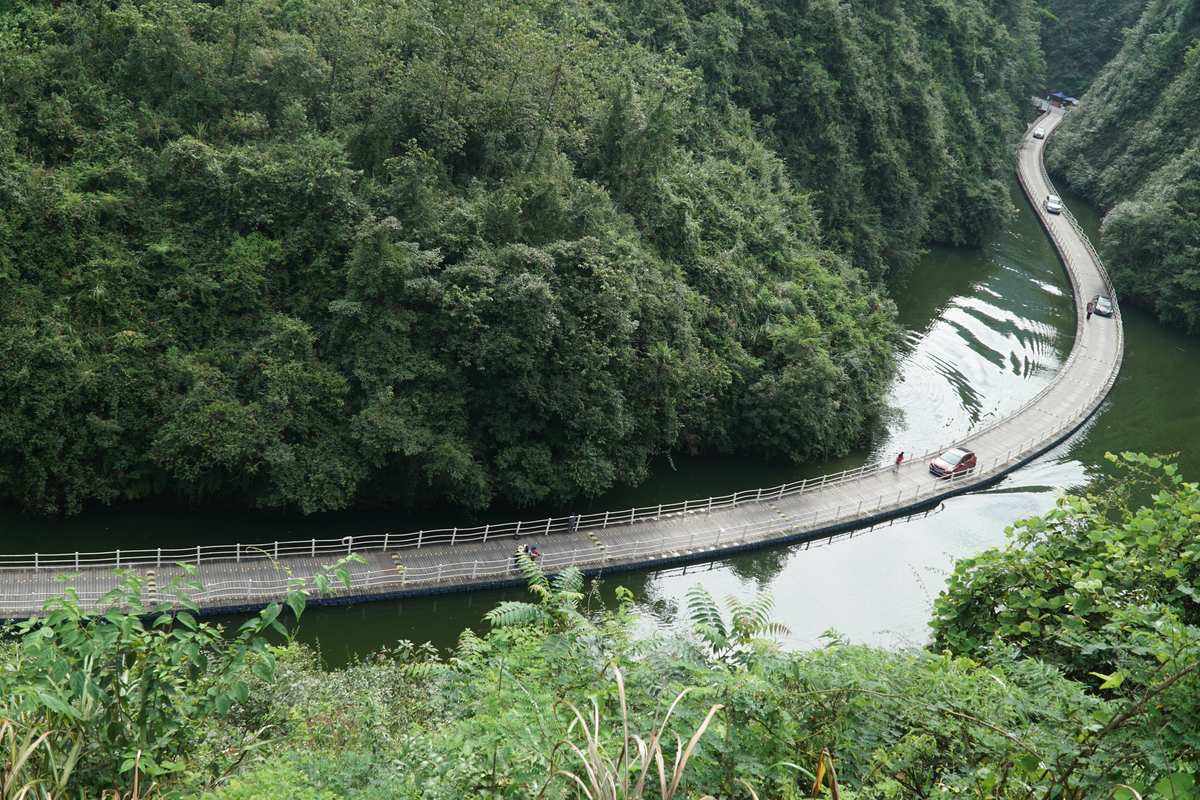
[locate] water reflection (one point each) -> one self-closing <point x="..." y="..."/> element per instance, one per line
<point x="878" y="588"/>
<point x="985" y="331"/>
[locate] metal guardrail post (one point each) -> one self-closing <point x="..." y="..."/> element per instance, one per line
<point x="486" y="528"/>
<point x="118" y="559"/>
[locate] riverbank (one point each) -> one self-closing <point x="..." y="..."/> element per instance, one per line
<point x="234" y="576"/>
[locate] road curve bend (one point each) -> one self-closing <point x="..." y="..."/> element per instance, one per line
<point x="816" y="510"/>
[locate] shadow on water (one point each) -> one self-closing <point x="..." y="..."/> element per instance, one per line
<point x="985" y="330"/>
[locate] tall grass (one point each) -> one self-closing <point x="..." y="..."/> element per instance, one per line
<point x="600" y="776"/>
<point x="32" y="767"/>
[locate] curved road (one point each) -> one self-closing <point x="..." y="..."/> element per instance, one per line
<point x="399" y="564"/>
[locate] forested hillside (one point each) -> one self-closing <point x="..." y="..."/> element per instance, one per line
<point x="1134" y="149"/>
<point x="1080" y="37"/>
<point x="303" y="253"/>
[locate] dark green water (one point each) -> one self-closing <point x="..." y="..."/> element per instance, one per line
<point x="986" y="329"/>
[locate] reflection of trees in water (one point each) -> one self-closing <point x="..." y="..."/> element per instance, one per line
<point x="644" y="588"/>
<point x="759" y="566"/>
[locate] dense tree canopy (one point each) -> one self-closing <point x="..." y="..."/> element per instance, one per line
<point x="1080" y="37"/>
<point x="1134" y="149"/>
<point x="303" y="252"/>
<point x="1106" y="588"/>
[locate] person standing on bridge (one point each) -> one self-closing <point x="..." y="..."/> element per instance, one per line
<point x="1091" y="309"/>
<point x="899" y="461"/>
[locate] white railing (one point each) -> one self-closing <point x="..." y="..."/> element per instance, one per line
<point x="1065" y="253"/>
<point x="252" y="589"/>
<point x="390" y="541"/>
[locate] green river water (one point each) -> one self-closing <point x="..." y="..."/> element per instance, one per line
<point x="985" y="330"/>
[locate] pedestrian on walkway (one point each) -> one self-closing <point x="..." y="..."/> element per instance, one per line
<point x="899" y="461"/>
<point x="1091" y="308"/>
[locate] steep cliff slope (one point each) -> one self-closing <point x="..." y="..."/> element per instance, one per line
<point x="1134" y="148"/>
<point x="304" y="253"/>
<point x="1080" y="37"/>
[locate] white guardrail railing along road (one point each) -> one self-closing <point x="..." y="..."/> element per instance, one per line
<point x="703" y="538"/>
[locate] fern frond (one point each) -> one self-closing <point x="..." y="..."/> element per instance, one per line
<point x="511" y="613"/>
<point x="776" y="630"/>
<point x="705" y="613"/>
<point x="761" y="607"/>
<point x="534" y="576"/>
<point x="715" y="638"/>
<point x="569" y="581"/>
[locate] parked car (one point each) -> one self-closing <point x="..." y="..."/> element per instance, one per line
<point x="1102" y="305"/>
<point x="1039" y="133"/>
<point x="953" y="462"/>
<point x="1054" y="204"/>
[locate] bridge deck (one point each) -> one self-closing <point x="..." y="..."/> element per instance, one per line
<point x="240" y="577"/>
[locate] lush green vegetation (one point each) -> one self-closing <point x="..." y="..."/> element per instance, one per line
<point x="311" y="253"/>
<point x="1080" y="37"/>
<point x="1065" y="665"/>
<point x="1134" y="149"/>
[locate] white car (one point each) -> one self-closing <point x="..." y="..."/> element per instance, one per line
<point x="1039" y="133"/>
<point x="1054" y="204"/>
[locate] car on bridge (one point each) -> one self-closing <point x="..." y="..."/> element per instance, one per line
<point x="1053" y="204"/>
<point x="1039" y="133"/>
<point x="1102" y="305"/>
<point x="954" y="461"/>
